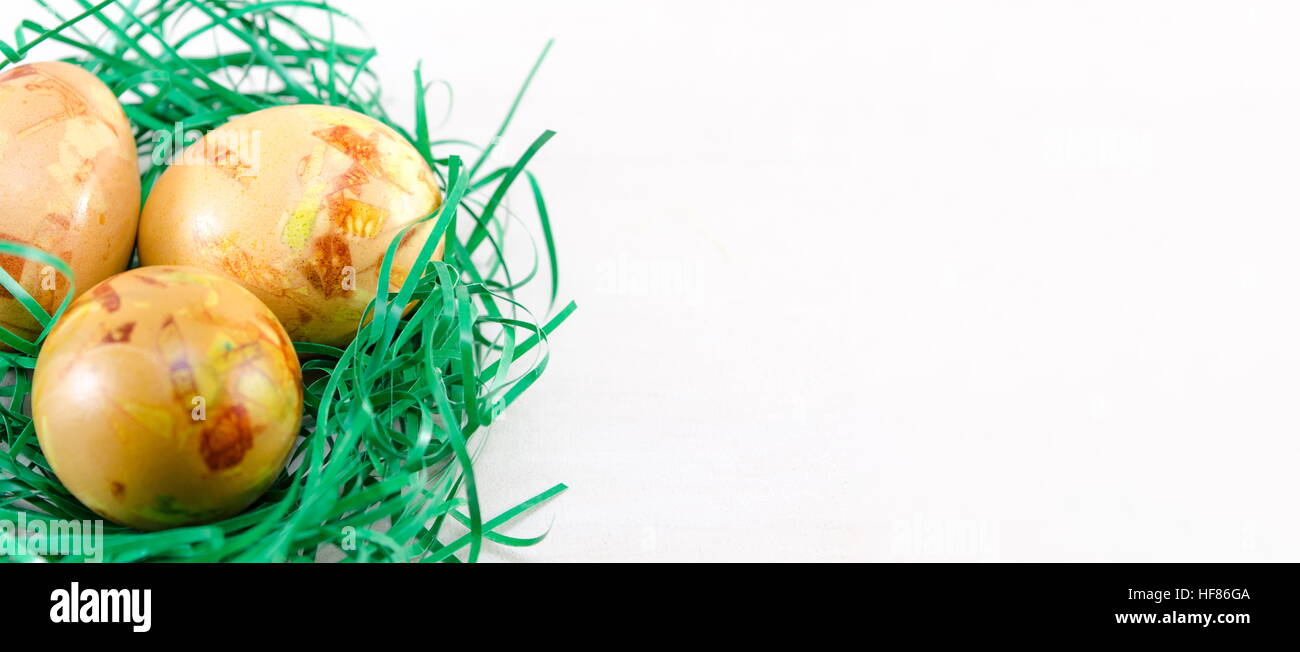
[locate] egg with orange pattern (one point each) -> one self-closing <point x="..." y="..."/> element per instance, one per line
<point x="167" y="396"/>
<point x="69" y="183"/>
<point x="299" y="204"/>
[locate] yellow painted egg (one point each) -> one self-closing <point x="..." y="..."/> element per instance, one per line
<point x="69" y="183"/>
<point x="167" y="396"/>
<point x="299" y="204"/>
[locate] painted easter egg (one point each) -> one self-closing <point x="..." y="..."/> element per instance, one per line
<point x="299" y="204"/>
<point x="69" y="183"/>
<point x="167" y="396"/>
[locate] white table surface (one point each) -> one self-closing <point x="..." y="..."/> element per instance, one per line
<point x="898" y="280"/>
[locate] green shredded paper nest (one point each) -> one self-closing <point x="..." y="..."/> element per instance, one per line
<point x="384" y="463"/>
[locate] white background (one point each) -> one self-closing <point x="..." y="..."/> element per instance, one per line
<point x="898" y="280"/>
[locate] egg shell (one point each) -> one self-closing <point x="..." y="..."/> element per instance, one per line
<point x="167" y="396"/>
<point x="71" y="183"/>
<point x="299" y="204"/>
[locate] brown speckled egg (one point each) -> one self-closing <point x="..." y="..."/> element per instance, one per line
<point x="167" y="396"/>
<point x="69" y="183"/>
<point x="299" y="204"/>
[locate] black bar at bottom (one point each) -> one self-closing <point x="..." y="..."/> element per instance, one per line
<point x="1121" y="601"/>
